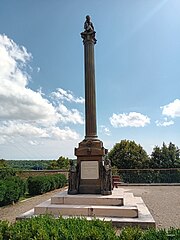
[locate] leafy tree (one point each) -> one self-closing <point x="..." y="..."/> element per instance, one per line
<point x="174" y="155"/>
<point x="3" y="163"/>
<point x="61" y="163"/>
<point x="165" y="157"/>
<point x="53" y="164"/>
<point x="156" y="158"/>
<point x="128" y="155"/>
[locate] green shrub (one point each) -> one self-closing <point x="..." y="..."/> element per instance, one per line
<point x="37" y="185"/>
<point x="6" y="172"/>
<point x="11" y="189"/>
<point x="46" y="227"/>
<point x="12" y="192"/>
<point x="4" y="230"/>
<point x="131" y="234"/>
<point x="41" y="184"/>
<point x="2" y="190"/>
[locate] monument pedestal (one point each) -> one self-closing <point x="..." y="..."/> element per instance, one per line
<point x="90" y="160"/>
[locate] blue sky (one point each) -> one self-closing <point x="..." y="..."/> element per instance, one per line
<point x="137" y="59"/>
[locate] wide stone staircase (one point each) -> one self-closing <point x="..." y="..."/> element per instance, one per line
<point x="122" y="208"/>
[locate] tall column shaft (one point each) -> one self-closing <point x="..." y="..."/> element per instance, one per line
<point x="90" y="89"/>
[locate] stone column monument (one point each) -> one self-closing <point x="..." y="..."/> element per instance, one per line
<point x="90" y="92"/>
<point x="93" y="170"/>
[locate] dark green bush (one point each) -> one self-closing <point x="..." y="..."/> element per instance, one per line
<point x="2" y="190"/>
<point x="129" y="233"/>
<point x="37" y="185"/>
<point x="6" y="172"/>
<point x="46" y="227"/>
<point x="11" y="189"/>
<point x="41" y="184"/>
<point x="4" y="230"/>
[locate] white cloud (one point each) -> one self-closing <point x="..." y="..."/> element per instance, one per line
<point x="9" y="130"/>
<point x="66" y="115"/>
<point x="17" y="101"/>
<point x="15" y="128"/>
<point x="12" y="59"/>
<point x="165" y="123"/>
<point x="27" y="114"/>
<point x="62" y="134"/>
<point x="3" y="140"/>
<point x="133" y="119"/>
<point x="172" y="109"/>
<point x="105" y="130"/>
<point x="34" y="143"/>
<point x="62" y="94"/>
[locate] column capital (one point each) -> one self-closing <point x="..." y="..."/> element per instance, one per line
<point x="88" y="37"/>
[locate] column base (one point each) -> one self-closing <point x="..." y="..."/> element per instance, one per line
<point x="90" y="159"/>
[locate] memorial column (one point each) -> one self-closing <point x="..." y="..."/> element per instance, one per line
<point x="90" y="93"/>
<point x="91" y="176"/>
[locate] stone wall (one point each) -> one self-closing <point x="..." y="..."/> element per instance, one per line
<point x="27" y="173"/>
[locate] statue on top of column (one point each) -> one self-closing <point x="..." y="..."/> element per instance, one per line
<point x="89" y="32"/>
<point x="88" y="25"/>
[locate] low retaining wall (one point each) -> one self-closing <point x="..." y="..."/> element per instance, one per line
<point x="29" y="173"/>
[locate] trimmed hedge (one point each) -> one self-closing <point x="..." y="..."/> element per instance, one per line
<point x="41" y="184"/>
<point x="6" y="172"/>
<point x="46" y="227"/>
<point x="11" y="189"/>
<point x="150" y="176"/>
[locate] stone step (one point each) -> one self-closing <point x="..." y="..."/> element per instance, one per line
<point x="86" y="210"/>
<point x="129" y="198"/>
<point x="88" y="199"/>
<point x="126" y="215"/>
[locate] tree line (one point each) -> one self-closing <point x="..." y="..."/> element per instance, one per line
<point x="132" y="163"/>
<point x="60" y="163"/>
<point x="124" y="155"/>
<point x="129" y="155"/>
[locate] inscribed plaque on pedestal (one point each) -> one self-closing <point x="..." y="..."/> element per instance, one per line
<point x="89" y="170"/>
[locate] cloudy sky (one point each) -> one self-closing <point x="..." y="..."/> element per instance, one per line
<point x="137" y="58"/>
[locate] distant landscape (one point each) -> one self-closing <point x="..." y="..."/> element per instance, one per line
<point x="60" y="163"/>
<point x="29" y="164"/>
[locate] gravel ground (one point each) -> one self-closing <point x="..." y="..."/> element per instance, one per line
<point x="162" y="201"/>
<point x="10" y="212"/>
